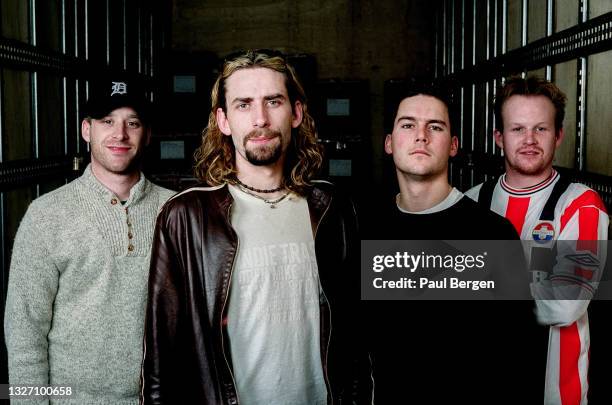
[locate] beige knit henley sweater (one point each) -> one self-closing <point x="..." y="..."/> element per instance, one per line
<point x="77" y="290"/>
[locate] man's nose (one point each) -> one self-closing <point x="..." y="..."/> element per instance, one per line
<point x="530" y="136"/>
<point x="421" y="134"/>
<point x="121" y="131"/>
<point x="260" y="117"/>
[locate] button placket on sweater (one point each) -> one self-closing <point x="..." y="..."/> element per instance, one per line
<point x="130" y="233"/>
<point x="128" y="221"/>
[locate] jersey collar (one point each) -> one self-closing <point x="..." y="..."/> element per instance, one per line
<point x="529" y="190"/>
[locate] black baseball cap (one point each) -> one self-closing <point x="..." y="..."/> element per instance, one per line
<point x="116" y="91"/>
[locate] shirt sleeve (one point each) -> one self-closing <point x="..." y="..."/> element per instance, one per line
<point x="581" y="256"/>
<point x="32" y="286"/>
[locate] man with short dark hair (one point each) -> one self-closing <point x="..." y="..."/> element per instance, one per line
<point x="250" y="270"/>
<point x="77" y="281"/>
<point x="545" y="207"/>
<point x="443" y="351"/>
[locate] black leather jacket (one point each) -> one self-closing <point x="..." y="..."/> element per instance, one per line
<point x="186" y="354"/>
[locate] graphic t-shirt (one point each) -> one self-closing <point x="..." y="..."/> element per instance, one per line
<point x="273" y="314"/>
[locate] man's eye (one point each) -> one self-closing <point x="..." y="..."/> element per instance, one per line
<point x="242" y="106"/>
<point x="436" y="128"/>
<point x="273" y="102"/>
<point x="134" y="124"/>
<point x="407" y="126"/>
<point x="107" y="122"/>
<point x="517" y="129"/>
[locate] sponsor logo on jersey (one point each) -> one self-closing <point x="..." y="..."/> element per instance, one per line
<point x="543" y="232"/>
<point x="584" y="259"/>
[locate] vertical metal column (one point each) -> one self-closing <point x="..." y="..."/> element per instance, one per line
<point x="473" y="107"/>
<point x="462" y="99"/>
<point x="125" y="37"/>
<point x="486" y="83"/>
<point x="463" y="34"/>
<point x="582" y="99"/>
<point x="86" y="39"/>
<point x="495" y="27"/>
<point x="504" y="26"/>
<point x="77" y="39"/>
<point x="524" y="23"/>
<point x="549" y="31"/>
<point x="108" y="29"/>
<point x="488" y="36"/>
<point x="34" y="76"/>
<point x="64" y="80"/>
<point x="139" y="45"/>
<point x="504" y="48"/>
<point x="474" y="32"/>
<point x="1" y="115"/>
<point x="451" y="68"/>
<point x="75" y="5"/>
<point x="444" y="46"/>
<point x="152" y="71"/>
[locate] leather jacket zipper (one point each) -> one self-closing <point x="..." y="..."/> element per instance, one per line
<point x="325" y="375"/>
<point x="223" y="313"/>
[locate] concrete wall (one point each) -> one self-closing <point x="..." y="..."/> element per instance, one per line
<point x="363" y="39"/>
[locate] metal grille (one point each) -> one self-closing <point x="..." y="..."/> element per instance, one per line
<point x="22" y="172"/>
<point x="588" y="37"/>
<point x="27" y="57"/>
<point x="584" y="39"/>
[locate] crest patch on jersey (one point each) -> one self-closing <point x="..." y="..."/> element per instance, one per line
<point x="543" y="232"/>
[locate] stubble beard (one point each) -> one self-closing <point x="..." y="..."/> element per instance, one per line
<point x="527" y="168"/>
<point x="130" y="166"/>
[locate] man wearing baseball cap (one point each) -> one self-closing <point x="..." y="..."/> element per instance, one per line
<point x="78" y="274"/>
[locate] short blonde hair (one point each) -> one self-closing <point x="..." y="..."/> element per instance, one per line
<point x="531" y="86"/>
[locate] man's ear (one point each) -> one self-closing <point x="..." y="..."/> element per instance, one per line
<point x="388" y="144"/>
<point x="499" y="140"/>
<point x="85" y="128"/>
<point x="560" y="135"/>
<point x="454" y="146"/>
<point x="297" y="114"/>
<point x="222" y="122"/>
<point x="148" y="135"/>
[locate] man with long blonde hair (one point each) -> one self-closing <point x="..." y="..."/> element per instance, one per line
<point x="247" y="269"/>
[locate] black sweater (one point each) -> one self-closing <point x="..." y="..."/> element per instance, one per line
<point x="443" y="352"/>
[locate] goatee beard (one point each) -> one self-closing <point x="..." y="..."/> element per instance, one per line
<point x="263" y="155"/>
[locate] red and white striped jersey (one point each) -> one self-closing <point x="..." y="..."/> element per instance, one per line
<point x="580" y="216"/>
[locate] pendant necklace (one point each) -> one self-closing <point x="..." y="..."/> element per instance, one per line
<point x="271" y="203"/>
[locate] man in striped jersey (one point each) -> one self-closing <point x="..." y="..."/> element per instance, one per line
<point x="546" y="208"/>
